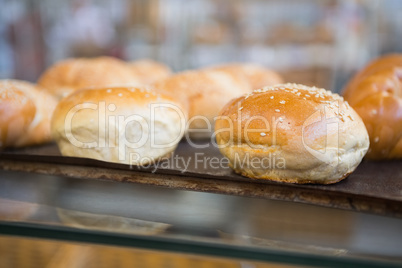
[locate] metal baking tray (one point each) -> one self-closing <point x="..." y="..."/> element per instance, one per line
<point x="375" y="187"/>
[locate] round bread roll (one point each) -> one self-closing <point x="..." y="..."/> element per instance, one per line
<point x="257" y="75"/>
<point x="25" y="113"/>
<point x="292" y="133"/>
<point x="121" y="125"/>
<point x="375" y="93"/>
<point x="150" y="71"/>
<point x="203" y="93"/>
<point x="69" y="75"/>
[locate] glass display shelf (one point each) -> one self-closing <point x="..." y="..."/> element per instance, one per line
<point x="190" y="222"/>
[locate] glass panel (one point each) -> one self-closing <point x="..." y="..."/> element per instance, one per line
<point x="34" y="253"/>
<point x="194" y="222"/>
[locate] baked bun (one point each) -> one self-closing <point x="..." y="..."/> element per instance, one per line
<point x="69" y="75"/>
<point x="292" y="133"/>
<point x="121" y="125"/>
<point x="258" y="76"/>
<point x="25" y="113"/>
<point x="203" y="93"/>
<point x="150" y="71"/>
<point x="375" y="93"/>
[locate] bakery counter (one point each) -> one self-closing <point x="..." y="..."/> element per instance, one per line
<point x="184" y="221"/>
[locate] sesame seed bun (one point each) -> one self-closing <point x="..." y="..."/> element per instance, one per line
<point x="121" y="125"/>
<point x="313" y="135"/>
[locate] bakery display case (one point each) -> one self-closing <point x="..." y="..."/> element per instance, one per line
<point x="189" y="208"/>
<point x="188" y="222"/>
<point x="202" y="214"/>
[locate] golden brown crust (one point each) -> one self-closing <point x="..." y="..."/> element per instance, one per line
<point x="304" y="134"/>
<point x="292" y="103"/>
<point x="150" y="71"/>
<point x="257" y="75"/>
<point x="25" y="114"/>
<point x="385" y="63"/>
<point x="114" y="95"/>
<point x="70" y="75"/>
<point x="203" y="92"/>
<point x="375" y="93"/>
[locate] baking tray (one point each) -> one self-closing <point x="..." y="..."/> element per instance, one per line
<point x="375" y="187"/>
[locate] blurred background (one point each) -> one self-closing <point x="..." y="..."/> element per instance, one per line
<point x="316" y="42"/>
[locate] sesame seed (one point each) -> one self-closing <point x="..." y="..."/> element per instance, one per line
<point x="277" y="110"/>
<point x="120" y="95"/>
<point x="272" y="97"/>
<point x="282" y="102"/>
<point x="241" y="108"/>
<point x="280" y="119"/>
<point x="263" y="134"/>
<point x="109" y="90"/>
<point x="307" y="95"/>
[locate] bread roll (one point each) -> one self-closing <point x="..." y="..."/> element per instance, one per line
<point x="257" y="75"/>
<point x="292" y="133"/>
<point x="150" y="71"/>
<point x="69" y="75"/>
<point x="203" y="93"/>
<point x="375" y="93"/>
<point x="121" y="125"/>
<point x="25" y="112"/>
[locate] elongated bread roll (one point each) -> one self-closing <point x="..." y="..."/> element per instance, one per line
<point x="69" y="75"/>
<point x="203" y="93"/>
<point x="150" y="71"/>
<point x="376" y="95"/>
<point x="258" y="76"/>
<point x="25" y="113"/>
